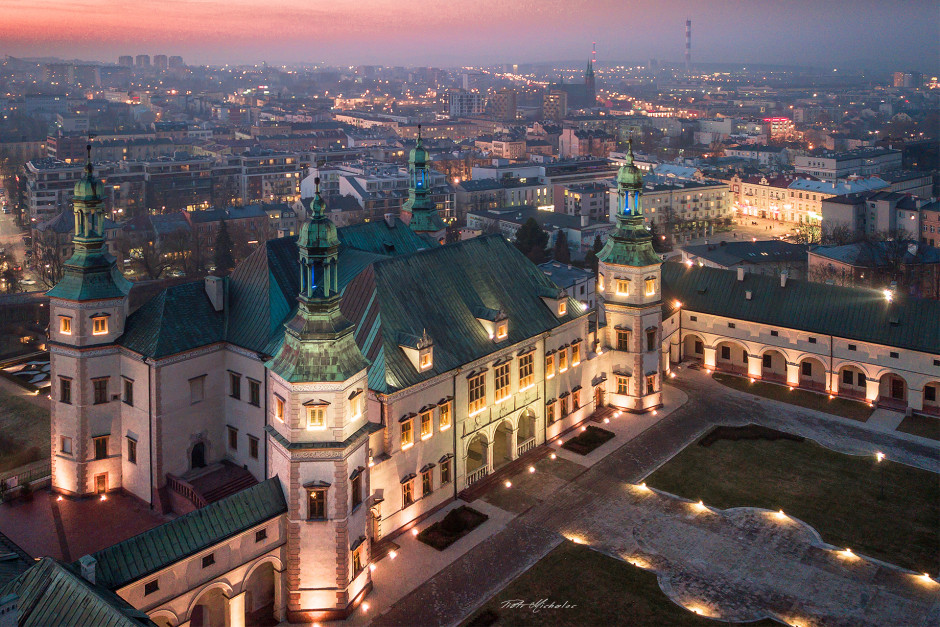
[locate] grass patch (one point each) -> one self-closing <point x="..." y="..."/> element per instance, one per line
<point x="24" y="431"/>
<point x="603" y="590"/>
<point x="456" y="524"/>
<point x="588" y="440"/>
<point x="924" y="426"/>
<point x="854" y="410"/>
<point x="839" y="495"/>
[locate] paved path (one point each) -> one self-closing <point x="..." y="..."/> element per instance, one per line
<point x="739" y="564"/>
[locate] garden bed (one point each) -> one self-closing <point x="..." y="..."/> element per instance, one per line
<point x="588" y="440"/>
<point x="847" y="408"/>
<point x="455" y="525"/>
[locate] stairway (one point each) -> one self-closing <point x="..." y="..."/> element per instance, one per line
<point x="201" y="486"/>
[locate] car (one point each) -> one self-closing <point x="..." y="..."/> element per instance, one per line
<point x="28" y="282"/>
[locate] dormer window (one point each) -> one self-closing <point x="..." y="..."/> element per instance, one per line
<point x="425" y="360"/>
<point x="562" y="308"/>
<point x="502" y="330"/>
<point x="419" y="350"/>
<point x="65" y="325"/>
<point x="623" y="287"/>
<point x="99" y="325"/>
<point x="650" y="286"/>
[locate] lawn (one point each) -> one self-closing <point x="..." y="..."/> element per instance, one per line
<point x="602" y="590"/>
<point x="855" y="410"/>
<point x="588" y="440"/>
<point x="837" y="494"/>
<point x="924" y="426"/>
<point x="24" y="430"/>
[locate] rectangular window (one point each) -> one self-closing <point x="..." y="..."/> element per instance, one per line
<point x="526" y="371"/>
<point x="425" y="361"/>
<point x="930" y="393"/>
<point x="767" y="361"/>
<point x="894" y="355"/>
<point x="623" y="340"/>
<point x="502" y="382"/>
<point x="132" y="450"/>
<point x="356" y="488"/>
<point x="807" y="368"/>
<point x="774" y="333"/>
<point x="101" y="447"/>
<point x="650" y="384"/>
<point x="316" y="505"/>
<point x="151" y="586"/>
<point x="623" y="287"/>
<point x="427" y="425"/>
<point x="128" y="392"/>
<point x="427" y="485"/>
<point x="445" y="471"/>
<point x="234" y="385"/>
<point x="316" y="417"/>
<point x="575" y="354"/>
<point x="100" y="390"/>
<point x="600" y="282"/>
<point x="562" y="406"/>
<point x="357" y="560"/>
<point x="575" y="400"/>
<point x="550" y="413"/>
<point x="253" y="447"/>
<point x="651" y="287"/>
<point x="65" y="445"/>
<point x="65" y="325"/>
<point x="197" y="389"/>
<point x="563" y="359"/>
<point x="812" y="340"/>
<point x="693" y="318"/>
<point x="233" y="438"/>
<point x="407" y="493"/>
<point x="847" y="377"/>
<point x="208" y="560"/>
<point x="852" y="347"/>
<point x="623" y="385"/>
<point x="407" y="434"/>
<point x="726" y="352"/>
<point x="651" y="340"/>
<point x="502" y="331"/>
<point x="731" y="325"/>
<point x="355" y="405"/>
<point x="477" y="392"/>
<point x="254" y="393"/>
<point x="99" y="326"/>
<point x="279" y="408"/>
<point x="549" y="366"/>
<point x="65" y="390"/>
<point x="261" y="535"/>
<point x="445" y="416"/>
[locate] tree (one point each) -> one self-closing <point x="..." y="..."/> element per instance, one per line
<point x="590" y="259"/>
<point x="807" y="233"/>
<point x="223" y="258"/>
<point x="11" y="273"/>
<point x="532" y="241"/>
<point x="151" y="261"/>
<point x="836" y="233"/>
<point x="561" y="253"/>
<point x="49" y="263"/>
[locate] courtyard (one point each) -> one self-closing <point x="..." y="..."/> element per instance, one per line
<point x="24" y="426"/>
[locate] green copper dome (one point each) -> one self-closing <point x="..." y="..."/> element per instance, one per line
<point x="629" y="175"/>
<point x="419" y="156"/>
<point x="88" y="188"/>
<point x="318" y="232"/>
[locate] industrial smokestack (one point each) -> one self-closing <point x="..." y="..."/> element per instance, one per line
<point x="688" y="46"/>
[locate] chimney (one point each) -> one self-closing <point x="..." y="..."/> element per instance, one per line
<point x="215" y="289"/>
<point x="390" y="219"/>
<point x="747" y="294"/>
<point x="88" y="564"/>
<point x="740" y="274"/>
<point x="783" y="279"/>
<point x="585" y="220"/>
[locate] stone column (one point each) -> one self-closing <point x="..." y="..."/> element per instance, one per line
<point x="280" y="595"/>
<point x="872" y="387"/>
<point x="710" y="354"/>
<point x="235" y="610"/>
<point x="754" y="366"/>
<point x="915" y="399"/>
<point x="793" y="374"/>
<point x="489" y="454"/>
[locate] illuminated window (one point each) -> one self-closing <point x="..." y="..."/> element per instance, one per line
<point x="355" y="405"/>
<point x="575" y="354"/>
<point x="316" y="417"/>
<point x="526" y="371"/>
<point x="425" y="361"/>
<point x="623" y="287"/>
<point x="502" y="382"/>
<point x="623" y="385"/>
<point x="477" y="392"/>
<point x="623" y="340"/>
<point x="99" y="326"/>
<point x="650" y="286"/>
<point x="562" y="308"/>
<point x="550" y="413"/>
<point x="650" y="384"/>
<point x="357" y="560"/>
<point x="427" y="425"/>
<point x="407" y="493"/>
<point x="600" y="282"/>
<point x="316" y="504"/>
<point x="279" y="408"/>
<point x="502" y="330"/>
<point x="65" y="325"/>
<point x="407" y="434"/>
<point x="445" y="471"/>
<point x="445" y="416"/>
<point x="562" y="360"/>
<point x="549" y="366"/>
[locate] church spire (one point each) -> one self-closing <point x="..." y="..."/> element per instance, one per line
<point x="318" y="341"/>
<point x="423" y="214"/>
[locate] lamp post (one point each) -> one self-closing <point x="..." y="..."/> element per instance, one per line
<point x="679" y="307"/>
<point x="880" y="457"/>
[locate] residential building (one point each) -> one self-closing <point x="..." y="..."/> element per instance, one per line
<point x="578" y="283"/>
<point x="913" y="269"/>
<point x="574" y="143"/>
<point x="587" y="199"/>
<point x="502" y="105"/>
<point x="772" y="257"/>
<point x="555" y="105"/>
<point x="462" y="103"/>
<point x="831" y="167"/>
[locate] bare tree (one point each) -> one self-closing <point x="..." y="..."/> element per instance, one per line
<point x="837" y="234"/>
<point x="807" y="233"/>
<point x="11" y="273"/>
<point x="151" y="261"/>
<point x="49" y="263"/>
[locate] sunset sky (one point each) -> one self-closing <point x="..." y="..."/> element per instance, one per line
<point x="853" y="33"/>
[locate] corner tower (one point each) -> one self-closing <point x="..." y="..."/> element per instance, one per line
<point x="318" y="434"/>
<point x="419" y="211"/>
<point x="630" y="294"/>
<point x="87" y="310"/>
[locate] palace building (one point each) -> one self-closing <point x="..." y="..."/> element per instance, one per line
<point x="341" y="385"/>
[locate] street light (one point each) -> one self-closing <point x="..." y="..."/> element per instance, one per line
<point x="880" y="457"/>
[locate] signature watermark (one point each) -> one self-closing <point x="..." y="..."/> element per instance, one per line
<point x="536" y="606"/>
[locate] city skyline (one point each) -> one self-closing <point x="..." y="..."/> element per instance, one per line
<point x="390" y="32"/>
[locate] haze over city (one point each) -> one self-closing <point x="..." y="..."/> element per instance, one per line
<point x="854" y="34"/>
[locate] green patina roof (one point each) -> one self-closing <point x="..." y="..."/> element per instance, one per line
<point x="51" y="593"/>
<point x="630" y="244"/>
<point x="90" y="275"/>
<point x="318" y="232"/>
<point x="424" y="220"/>
<point x="395" y="299"/>
<point x="629" y="176"/>
<point x="146" y="553"/>
<point x="380" y="238"/>
<point x="846" y="312"/>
